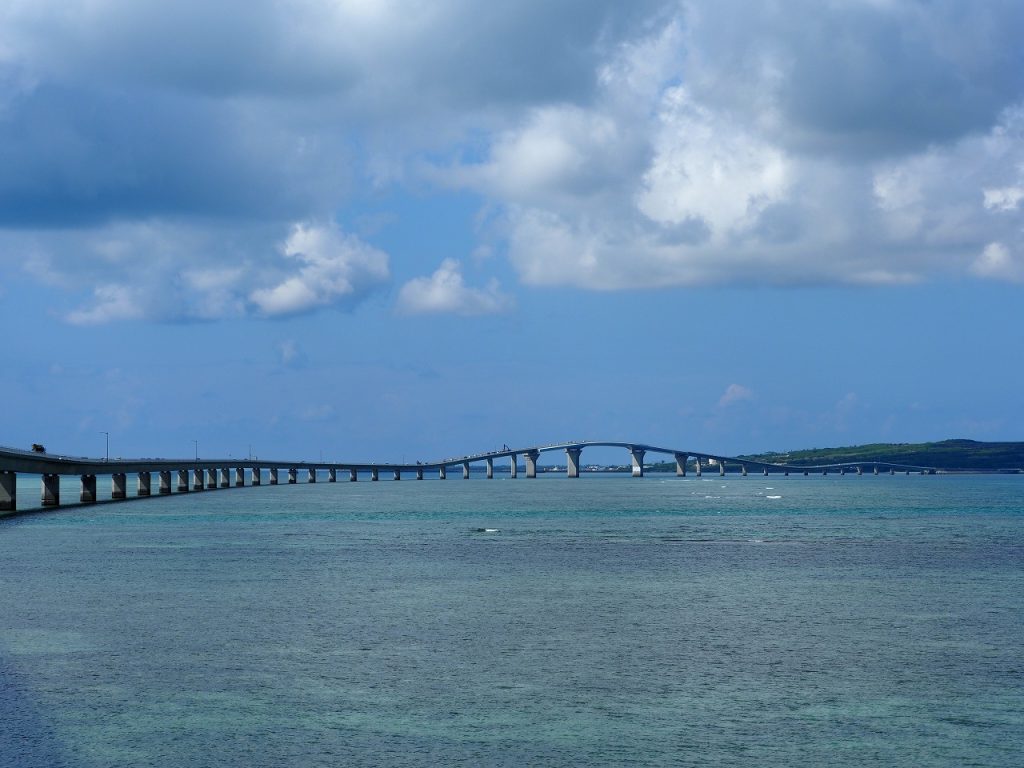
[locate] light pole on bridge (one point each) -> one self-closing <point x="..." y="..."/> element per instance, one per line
<point x="106" y="453"/>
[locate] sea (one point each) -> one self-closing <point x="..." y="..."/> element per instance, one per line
<point x="601" y="621"/>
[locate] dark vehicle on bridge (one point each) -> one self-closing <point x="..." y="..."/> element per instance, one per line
<point x="37" y="448"/>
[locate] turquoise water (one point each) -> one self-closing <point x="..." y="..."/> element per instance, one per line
<point x="848" y="621"/>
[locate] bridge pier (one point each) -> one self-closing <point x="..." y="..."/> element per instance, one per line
<point x="332" y="475"/>
<point x="197" y="480"/>
<point x="490" y="468"/>
<point x="743" y="469"/>
<point x="293" y="476"/>
<point x="311" y="475"/>
<point x="256" y="475"/>
<point x="144" y="484"/>
<point x="766" y="471"/>
<point x="513" y="467"/>
<point x="419" y="473"/>
<point x="225" y="477"/>
<point x="183" y="481"/>
<point x="211" y="479"/>
<point x="442" y="472"/>
<point x="860" y="470"/>
<point x="374" y="474"/>
<point x="637" y="455"/>
<point x="239" y="477"/>
<point x="721" y="468"/>
<point x="50" y="490"/>
<point x="119" y="485"/>
<point x="680" y="464"/>
<point x="531" y="462"/>
<point x="696" y="463"/>
<point x="572" y="464"/>
<point x="465" y="470"/>
<point x="273" y="475"/>
<point x="165" y="482"/>
<point x="88" y="494"/>
<point x="353" y="475"/>
<point x="398" y="474"/>
<point x="8" y="491"/>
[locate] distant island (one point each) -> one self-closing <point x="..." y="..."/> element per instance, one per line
<point x="946" y="454"/>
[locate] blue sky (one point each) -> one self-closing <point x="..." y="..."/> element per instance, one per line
<point x="386" y="230"/>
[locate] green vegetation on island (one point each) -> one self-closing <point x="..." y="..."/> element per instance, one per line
<point x="946" y="454"/>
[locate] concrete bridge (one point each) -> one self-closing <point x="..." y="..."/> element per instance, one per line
<point x="192" y="475"/>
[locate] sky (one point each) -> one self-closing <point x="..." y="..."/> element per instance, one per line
<point x="402" y="231"/>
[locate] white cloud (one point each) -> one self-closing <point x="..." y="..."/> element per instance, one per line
<point x="734" y="393"/>
<point x="113" y="303"/>
<point x="336" y="269"/>
<point x="1005" y="199"/>
<point x="996" y="262"/>
<point x="709" y="169"/>
<point x="446" y="292"/>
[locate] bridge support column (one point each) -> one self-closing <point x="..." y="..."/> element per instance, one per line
<point x="696" y="464"/>
<point x="293" y="476"/>
<point x="442" y="472"/>
<point x="239" y="477"/>
<point x="465" y="470"/>
<point x="860" y="470"/>
<point x="353" y="475"/>
<point x="721" y="468"/>
<point x="197" y="480"/>
<point x="419" y="473"/>
<point x="256" y="475"/>
<point x="398" y="474"/>
<point x="572" y="462"/>
<point x="743" y="469"/>
<point x="273" y="475"/>
<point x="374" y="474"/>
<point x="513" y="467"/>
<point x="8" y="491"/>
<point x="183" y="481"/>
<point x="211" y="479"/>
<point x="165" y="482"/>
<point x="332" y="475"/>
<point x="311" y="475"/>
<point x="637" y="455"/>
<point x="225" y="477"/>
<point x="680" y="465"/>
<point x="51" y="490"/>
<point x="875" y="469"/>
<point x="145" y="484"/>
<point x="88" y="494"/>
<point x="842" y="471"/>
<point x="531" y="463"/>
<point x="766" y="471"/>
<point x="119" y="485"/>
<point x="490" y="469"/>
